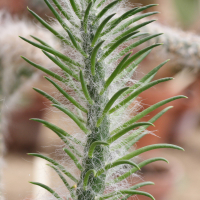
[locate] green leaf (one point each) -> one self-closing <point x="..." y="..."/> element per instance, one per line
<point x="86" y="178"/>
<point x="76" y="45"/>
<point x="76" y="8"/>
<point x="130" y="192"/>
<point x="139" y="91"/>
<point x="137" y="186"/>
<point x="104" y="10"/>
<point x="109" y="104"/>
<point x="59" y="18"/>
<point x="73" y="117"/>
<point x="115" y="22"/>
<point x="128" y="31"/>
<point x="64" y="180"/>
<point x="146" y="112"/>
<point x="64" y="13"/>
<point x="52" y="30"/>
<point x="127" y="129"/>
<point x="54" y="75"/>
<point x="49" y="97"/>
<point x="115" y="45"/>
<point x="93" y="57"/>
<point x="114" y="164"/>
<point x="134" y="169"/>
<point x="133" y="20"/>
<point x="48" y="189"/>
<point x="84" y="88"/>
<point x="100" y="28"/>
<point x="130" y="47"/>
<point x="136" y="55"/>
<point x="93" y="146"/>
<point x="56" y="128"/>
<point x="40" y="41"/>
<point x="73" y="157"/>
<point x="132" y="67"/>
<point x="147" y="78"/>
<point x="114" y="74"/>
<point x="64" y="139"/>
<point x="124" y="16"/>
<point x="67" y="96"/>
<point x="148" y="148"/>
<point x="136" y="135"/>
<point x="85" y="20"/>
<point x="53" y="51"/>
<point x="62" y="66"/>
<point x="55" y="164"/>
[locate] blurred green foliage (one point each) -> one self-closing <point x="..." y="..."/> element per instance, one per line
<point x="187" y="11"/>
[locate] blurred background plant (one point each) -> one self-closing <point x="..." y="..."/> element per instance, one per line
<point x="179" y="21"/>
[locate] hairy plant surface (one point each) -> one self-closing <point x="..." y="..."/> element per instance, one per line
<point x="98" y="60"/>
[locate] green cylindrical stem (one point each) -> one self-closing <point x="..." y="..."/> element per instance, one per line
<point x="95" y="185"/>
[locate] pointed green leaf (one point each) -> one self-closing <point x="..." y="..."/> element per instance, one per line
<point x="56" y="128"/>
<point x="49" y="97"/>
<point x="93" y="146"/>
<point x="133" y="20"/>
<point x="115" y="22"/>
<point x="55" y="164"/>
<point x="52" y="51"/>
<point x="100" y="28"/>
<point x="48" y="189"/>
<point x="59" y="18"/>
<point x="139" y="185"/>
<point x="65" y="94"/>
<point x="135" y="136"/>
<point x="40" y="41"/>
<point x="130" y="47"/>
<point x="139" y="91"/>
<point x="109" y="104"/>
<point x="147" y="78"/>
<point x="114" y="74"/>
<point x="148" y="148"/>
<point x="76" y="8"/>
<point x="94" y="55"/>
<point x="115" y="45"/>
<point x="64" y="13"/>
<point x="84" y="88"/>
<point x="62" y="66"/>
<point x="135" y="28"/>
<point x="52" y="30"/>
<point x="54" y="75"/>
<point x="86" y="178"/>
<point x="104" y="10"/>
<point x="85" y="20"/>
<point x="130" y="192"/>
<point x="73" y="157"/>
<point x="135" y="187"/>
<point x="136" y="55"/>
<point x="73" y="117"/>
<point x="152" y="120"/>
<point x="76" y="45"/>
<point x="134" y="169"/>
<point x="124" y="16"/>
<point x="114" y="164"/>
<point x="132" y="67"/>
<point x="147" y="111"/>
<point x="65" y="140"/>
<point x="127" y="129"/>
<point x="64" y="180"/>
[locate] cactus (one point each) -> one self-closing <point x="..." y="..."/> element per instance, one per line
<point x="97" y="70"/>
